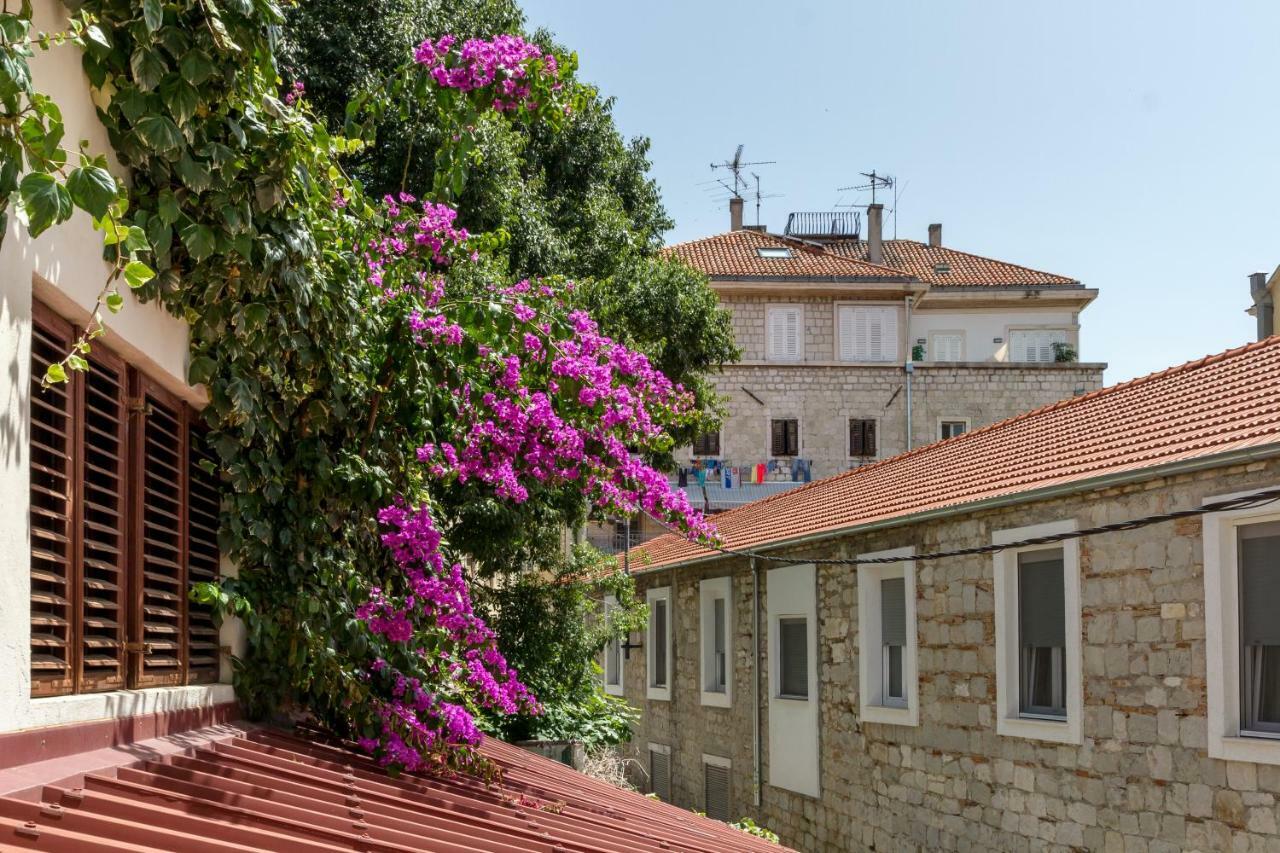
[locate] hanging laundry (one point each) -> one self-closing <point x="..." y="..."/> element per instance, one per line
<point x="728" y="478"/>
<point x="682" y="478"/>
<point x="702" y="476"/>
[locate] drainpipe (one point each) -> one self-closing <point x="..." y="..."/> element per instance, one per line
<point x="909" y="368"/>
<point x="755" y="673"/>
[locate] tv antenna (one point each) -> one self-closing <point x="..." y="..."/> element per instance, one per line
<point x="874" y="182"/>
<point x="759" y="196"/>
<point x="735" y="167"/>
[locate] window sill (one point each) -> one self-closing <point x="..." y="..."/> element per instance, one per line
<point x="717" y="700"/>
<point x="660" y="694"/>
<point x="1255" y="750"/>
<point x="1053" y="731"/>
<point x="889" y="715"/>
<point x="614" y="690"/>
<point x="792" y="698"/>
<point x="119" y="704"/>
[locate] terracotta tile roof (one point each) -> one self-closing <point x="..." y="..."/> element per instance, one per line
<point x="735" y="255"/>
<point x="965" y="269"/>
<point x="1220" y="403"/>
<point x="274" y="791"/>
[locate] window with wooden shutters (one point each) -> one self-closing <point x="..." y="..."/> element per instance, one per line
<point x="707" y="444"/>
<point x="868" y="333"/>
<point x="52" y="450"/>
<point x="948" y="346"/>
<point x="203" y="505"/>
<point x="660" y="771"/>
<point x="715" y="775"/>
<point x="784" y="332"/>
<point x="862" y="437"/>
<point x="1035" y="345"/>
<point x="784" y="437"/>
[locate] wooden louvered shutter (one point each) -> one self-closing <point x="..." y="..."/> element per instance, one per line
<point x="203" y="506"/>
<point x="159" y="545"/>
<point x="103" y="506"/>
<point x="855" y="437"/>
<point x="660" y="774"/>
<point x="716" y="791"/>
<point x="869" y="437"/>
<point x="52" y="495"/>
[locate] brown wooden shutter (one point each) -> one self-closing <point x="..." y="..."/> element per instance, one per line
<point x="855" y="437"/>
<point x="203" y="506"/>
<point x="778" y="438"/>
<point x="103" y="506"/>
<point x="52" y="491"/>
<point x="159" y="468"/>
<point x="869" y="437"/>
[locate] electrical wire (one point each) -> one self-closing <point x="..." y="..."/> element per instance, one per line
<point x="1243" y="502"/>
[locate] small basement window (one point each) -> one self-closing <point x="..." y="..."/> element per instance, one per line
<point x="776" y="252"/>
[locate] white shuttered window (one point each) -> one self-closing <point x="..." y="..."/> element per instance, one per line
<point x="948" y="347"/>
<point x="1035" y="344"/>
<point x="785" y="332"/>
<point x="868" y="333"/>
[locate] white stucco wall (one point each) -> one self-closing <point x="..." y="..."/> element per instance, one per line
<point x="982" y="326"/>
<point x="793" y="723"/>
<point x="64" y="268"/>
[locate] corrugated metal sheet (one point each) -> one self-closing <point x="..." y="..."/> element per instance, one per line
<point x="270" y="790"/>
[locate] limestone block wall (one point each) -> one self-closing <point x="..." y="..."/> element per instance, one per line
<point x="1140" y="780"/>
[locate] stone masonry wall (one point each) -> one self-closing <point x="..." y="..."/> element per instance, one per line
<point x="825" y="397"/>
<point x="1141" y="781"/>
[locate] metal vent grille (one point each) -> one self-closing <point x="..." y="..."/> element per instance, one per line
<point x="660" y="774"/>
<point x="51" y="493"/>
<point x="103" y="456"/>
<point x="716" y="790"/>
<point x="203" y="506"/>
<point x="161" y="545"/>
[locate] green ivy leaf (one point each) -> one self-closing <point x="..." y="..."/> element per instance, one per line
<point x="201" y="370"/>
<point x="136" y="274"/>
<point x="167" y="207"/>
<point x="159" y="132"/>
<point x="92" y="188"/>
<point x="148" y="68"/>
<point x="199" y="240"/>
<point x="45" y="202"/>
<point x="54" y="374"/>
<point x="114" y="302"/>
<point x="196" y="67"/>
<point x="180" y="97"/>
<point x="152" y="14"/>
<point x="96" y="36"/>
<point x="194" y="173"/>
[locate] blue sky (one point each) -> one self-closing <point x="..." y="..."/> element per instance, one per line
<point x="1131" y="145"/>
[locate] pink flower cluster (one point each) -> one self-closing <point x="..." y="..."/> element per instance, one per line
<point x="296" y="93"/>
<point x="412" y="234"/>
<point x="501" y="62"/>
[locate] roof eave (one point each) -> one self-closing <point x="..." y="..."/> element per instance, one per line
<point x="1182" y="466"/>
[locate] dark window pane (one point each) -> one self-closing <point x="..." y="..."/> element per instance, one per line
<point x="1042" y="632"/>
<point x="707" y="444"/>
<point x="784" y="437"/>
<point x="793" y="657"/>
<point x="659" y="640"/>
<point x="1259" y="548"/>
<point x="718" y="674"/>
<point x="893" y="684"/>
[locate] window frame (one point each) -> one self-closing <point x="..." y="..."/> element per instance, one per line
<point x="891" y="355"/>
<point x="774" y="253"/>
<point x="709" y="591"/>
<point x="722" y="763"/>
<point x="694" y="451"/>
<point x="872" y="704"/>
<point x="663" y="750"/>
<point x="934" y="349"/>
<point x="1032" y="330"/>
<point x="659" y="692"/>
<point x="1226" y="738"/>
<point x="792" y="618"/>
<point x="768" y="438"/>
<point x="769" y="312"/>
<point x="875" y="423"/>
<point x="1010" y="720"/>
<point x="618" y="689"/>
<point x="948" y="419"/>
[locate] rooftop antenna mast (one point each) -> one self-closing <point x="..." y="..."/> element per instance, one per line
<point x="735" y="167"/>
<point x="759" y="196"/>
<point x="874" y="182"/>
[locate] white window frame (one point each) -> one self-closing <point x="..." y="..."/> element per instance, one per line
<point x="1065" y="332"/>
<point x="871" y="704"/>
<point x="968" y="424"/>
<point x="769" y="311"/>
<point x="1009" y="720"/>
<point x="1222" y="634"/>
<point x="893" y="350"/>
<point x="652" y="691"/>
<point x="709" y="590"/>
<point x="933" y="348"/>
<point x="619" y="689"/>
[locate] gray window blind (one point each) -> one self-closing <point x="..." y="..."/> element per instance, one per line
<point x="1259" y="549"/>
<point x="1041" y="599"/>
<point x="718" y="675"/>
<point x="893" y="612"/>
<point x="716" y="790"/>
<point x="793" y="657"/>
<point x="660" y="774"/>
<point x="659" y="641"/>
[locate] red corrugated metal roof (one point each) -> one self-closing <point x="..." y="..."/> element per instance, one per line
<point x="270" y="790"/>
<point x="1221" y="403"/>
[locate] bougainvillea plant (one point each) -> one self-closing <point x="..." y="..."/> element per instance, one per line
<point x="363" y="362"/>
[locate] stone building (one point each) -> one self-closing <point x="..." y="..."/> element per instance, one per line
<point x="996" y="674"/>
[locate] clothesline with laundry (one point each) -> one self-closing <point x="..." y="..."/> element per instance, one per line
<point x="727" y="475"/>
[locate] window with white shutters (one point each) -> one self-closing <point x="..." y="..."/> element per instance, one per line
<point x="785" y="332"/>
<point x="124" y="504"/>
<point x="1035" y="345"/>
<point x="868" y="333"/>
<point x="715" y="775"/>
<point x="947" y="346"/>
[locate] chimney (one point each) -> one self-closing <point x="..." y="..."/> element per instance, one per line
<point x="875" y="248"/>
<point x="935" y="235"/>
<point x="735" y="213"/>
<point x="1263" y="304"/>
